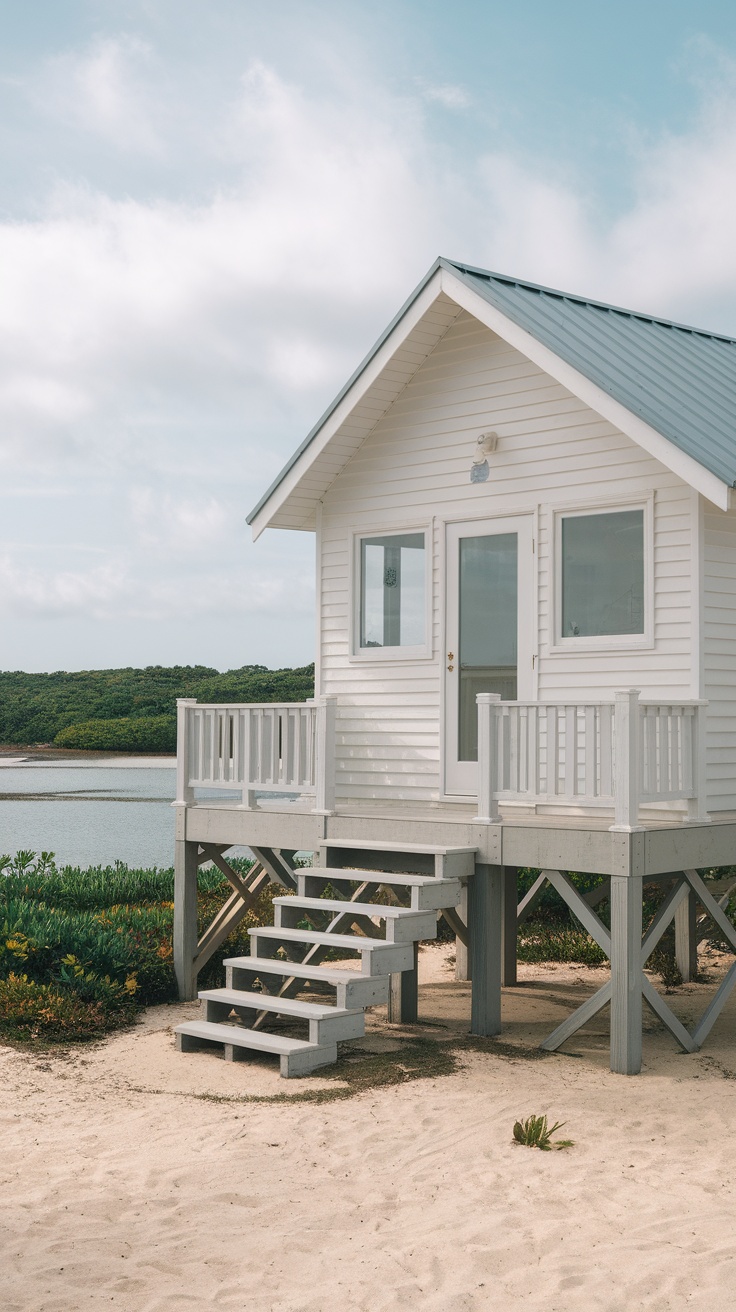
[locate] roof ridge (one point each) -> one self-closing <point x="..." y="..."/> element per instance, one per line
<point x="558" y="294"/>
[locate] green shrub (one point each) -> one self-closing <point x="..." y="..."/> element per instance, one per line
<point x="29" y="1010"/>
<point x="143" y="733"/>
<point x="99" y="941"/>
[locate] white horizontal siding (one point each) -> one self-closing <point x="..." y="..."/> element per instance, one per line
<point x="719" y="654"/>
<point x="414" y="467"/>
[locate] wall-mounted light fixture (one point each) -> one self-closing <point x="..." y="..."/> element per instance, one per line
<point x="486" y="445"/>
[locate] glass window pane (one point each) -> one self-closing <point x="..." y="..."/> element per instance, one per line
<point x="392" y="591"/>
<point x="603" y="574"/>
<point x="488" y="628"/>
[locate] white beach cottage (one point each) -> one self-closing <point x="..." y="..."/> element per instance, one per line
<point x="526" y="594"/>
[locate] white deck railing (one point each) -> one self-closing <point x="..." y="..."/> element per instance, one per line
<point x="608" y="754"/>
<point x="271" y="748"/>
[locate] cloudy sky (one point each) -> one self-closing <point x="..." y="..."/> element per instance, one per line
<point x="209" y="209"/>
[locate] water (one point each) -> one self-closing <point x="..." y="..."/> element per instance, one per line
<point x="89" y="812"/>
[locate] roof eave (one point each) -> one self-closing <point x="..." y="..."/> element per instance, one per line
<point x="256" y="512"/>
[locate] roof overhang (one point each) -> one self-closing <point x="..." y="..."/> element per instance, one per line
<point x="291" y="501"/>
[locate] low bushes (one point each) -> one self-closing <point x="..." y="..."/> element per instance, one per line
<point x="82" y="950"/>
<point x="142" y="733"/>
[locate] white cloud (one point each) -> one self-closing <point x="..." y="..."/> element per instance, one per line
<point x="447" y="95"/>
<point x="104" y="91"/>
<point x="175" y="352"/>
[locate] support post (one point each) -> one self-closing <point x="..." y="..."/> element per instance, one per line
<point x="403" y="996"/>
<point x="185" y="918"/>
<point x="627" y="761"/>
<point x="510" y="926"/>
<point x="488" y="704"/>
<point x="462" y="964"/>
<point x="697" y="807"/>
<point x="324" y="756"/>
<point x="184" y="794"/>
<point x="686" y="938"/>
<point x="626" y="973"/>
<point x="485" y="907"/>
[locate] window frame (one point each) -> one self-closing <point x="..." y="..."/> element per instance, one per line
<point x="361" y="655"/>
<point x="607" y="641"/>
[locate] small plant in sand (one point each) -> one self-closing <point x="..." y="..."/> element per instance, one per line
<point x="534" y="1132"/>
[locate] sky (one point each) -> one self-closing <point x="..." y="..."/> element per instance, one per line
<point x="210" y="209"/>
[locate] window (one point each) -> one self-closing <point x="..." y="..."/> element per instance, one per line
<point x="392" y="592"/>
<point x="602" y="574"/>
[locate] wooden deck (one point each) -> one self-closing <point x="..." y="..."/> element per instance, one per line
<point x="567" y="842"/>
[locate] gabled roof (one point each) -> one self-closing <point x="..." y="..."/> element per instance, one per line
<point x="671" y="381"/>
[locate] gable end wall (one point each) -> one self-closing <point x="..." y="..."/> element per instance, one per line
<point x="413" y="467"/>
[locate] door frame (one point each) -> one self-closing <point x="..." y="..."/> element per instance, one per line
<point x="525" y="524"/>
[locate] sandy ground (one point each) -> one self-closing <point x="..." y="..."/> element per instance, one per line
<point x="125" y="1186"/>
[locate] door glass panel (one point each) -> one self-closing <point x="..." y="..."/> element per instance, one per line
<point x="488" y="655"/>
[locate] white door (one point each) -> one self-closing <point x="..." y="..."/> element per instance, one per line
<point x="490" y="600"/>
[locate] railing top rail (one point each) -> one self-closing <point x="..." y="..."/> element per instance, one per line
<point x="598" y="701"/>
<point x="249" y="706"/>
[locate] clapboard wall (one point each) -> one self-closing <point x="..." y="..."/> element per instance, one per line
<point x="413" y="468"/>
<point x="719" y="652"/>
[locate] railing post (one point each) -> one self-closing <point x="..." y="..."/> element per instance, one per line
<point x="184" y="794"/>
<point x="324" y="755"/>
<point x="488" y="723"/>
<point x="248" y="801"/>
<point x="697" y="812"/>
<point x="627" y="769"/>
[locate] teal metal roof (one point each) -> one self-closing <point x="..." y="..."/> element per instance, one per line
<point x="680" y="380"/>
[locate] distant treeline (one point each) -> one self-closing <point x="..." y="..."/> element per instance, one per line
<point x="130" y="710"/>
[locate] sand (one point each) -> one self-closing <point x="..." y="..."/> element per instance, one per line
<point x="124" y="1186"/>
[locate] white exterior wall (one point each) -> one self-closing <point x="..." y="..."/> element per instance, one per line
<point x="719" y="652"/>
<point x="414" y="467"/>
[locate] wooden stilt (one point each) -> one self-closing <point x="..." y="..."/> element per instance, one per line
<point x="462" y="970"/>
<point x="626" y="973"/>
<point x="403" y="997"/>
<point x="686" y="941"/>
<point x="485" y="910"/>
<point x="510" y="926"/>
<point x="185" y="918"/>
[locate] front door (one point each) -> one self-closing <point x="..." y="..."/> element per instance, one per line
<point x="489" y="632"/>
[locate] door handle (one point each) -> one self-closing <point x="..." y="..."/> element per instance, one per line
<point x="450" y="657"/>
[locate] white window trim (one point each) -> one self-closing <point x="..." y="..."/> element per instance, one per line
<point x="609" y="641"/>
<point x="390" y="655"/>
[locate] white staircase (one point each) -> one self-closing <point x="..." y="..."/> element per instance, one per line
<point x="285" y="959"/>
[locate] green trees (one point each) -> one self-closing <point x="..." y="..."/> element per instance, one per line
<point x="35" y="708"/>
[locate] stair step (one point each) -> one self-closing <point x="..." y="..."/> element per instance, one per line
<point x="378" y="845"/>
<point x="379" y="957"/>
<point x="353" y="988"/>
<point x="401" y="924"/>
<point x="326" y="1024"/>
<point x="401" y="879"/>
<point x="427" y="892"/>
<point x="298" y="1057"/>
<point x="449" y="862"/>
<point x="382" y="910"/>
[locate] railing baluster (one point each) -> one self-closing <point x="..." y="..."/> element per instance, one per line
<point x="571" y="764"/>
<point x="590" y="754"/>
<point x="675" y="759"/>
<point x="553" y="752"/>
<point x="606" y="747"/>
<point x="664" y="750"/>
